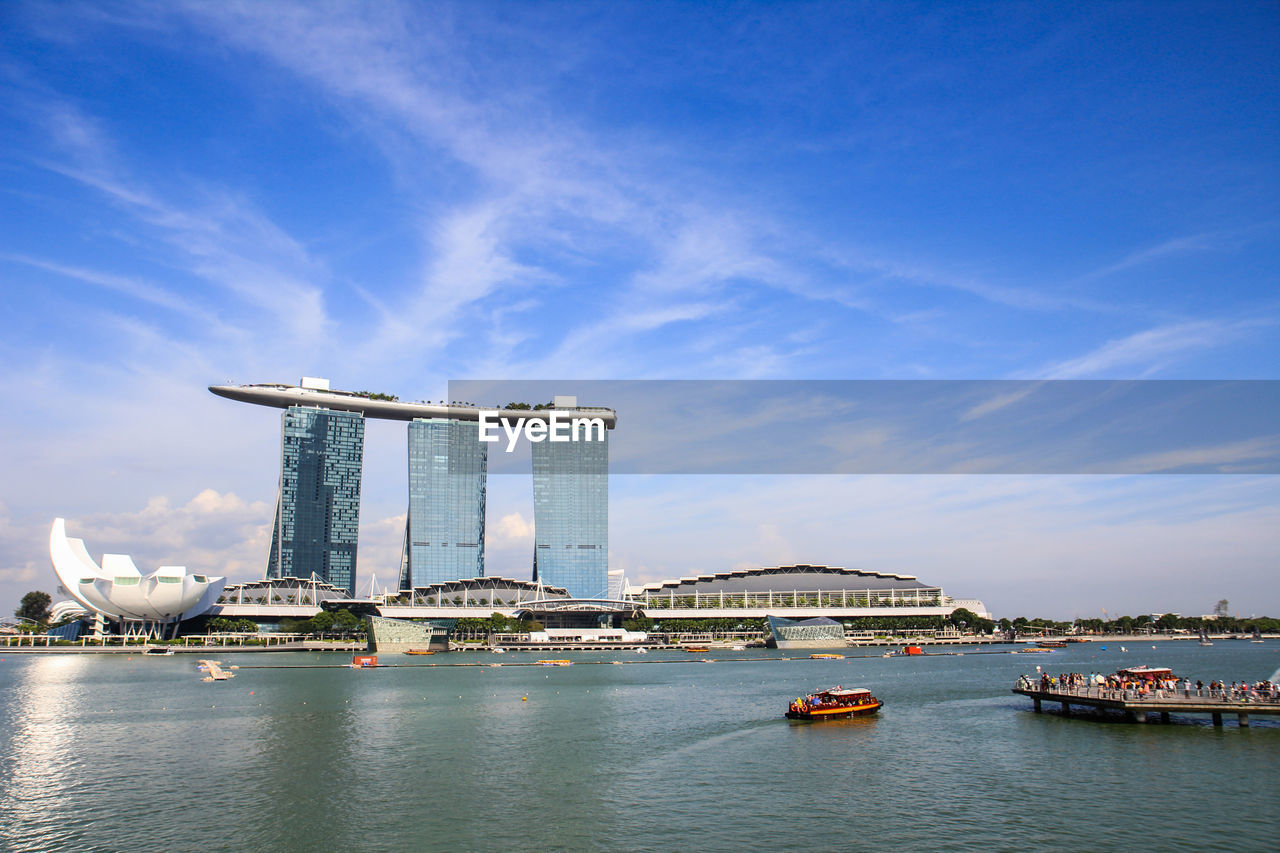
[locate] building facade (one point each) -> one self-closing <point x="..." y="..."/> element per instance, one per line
<point x="318" y="506"/>
<point x="444" y="530"/>
<point x="571" y="514"/>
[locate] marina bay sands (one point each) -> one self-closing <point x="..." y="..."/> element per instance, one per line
<point x="317" y="516"/>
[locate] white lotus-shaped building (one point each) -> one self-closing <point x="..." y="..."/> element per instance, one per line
<point x="117" y="590"/>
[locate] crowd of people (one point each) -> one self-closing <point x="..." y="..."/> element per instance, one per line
<point x="1122" y="686"/>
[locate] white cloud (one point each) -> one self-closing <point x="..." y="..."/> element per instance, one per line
<point x="512" y="530"/>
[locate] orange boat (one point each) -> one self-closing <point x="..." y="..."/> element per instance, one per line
<point x="834" y="704"/>
<point x="420" y="652"/>
<point x="697" y="649"/>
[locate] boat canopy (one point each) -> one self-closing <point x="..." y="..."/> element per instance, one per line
<point x="846" y="691"/>
<point x="1146" y="672"/>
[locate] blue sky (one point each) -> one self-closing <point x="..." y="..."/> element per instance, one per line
<point x="396" y="196"/>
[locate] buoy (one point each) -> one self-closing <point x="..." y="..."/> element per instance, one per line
<point x="524" y="698"/>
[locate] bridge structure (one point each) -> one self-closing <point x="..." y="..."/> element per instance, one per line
<point x="1140" y="707"/>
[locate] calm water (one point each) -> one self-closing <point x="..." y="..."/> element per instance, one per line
<point x="109" y="753"/>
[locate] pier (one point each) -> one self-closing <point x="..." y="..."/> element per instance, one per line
<point x="1159" y="704"/>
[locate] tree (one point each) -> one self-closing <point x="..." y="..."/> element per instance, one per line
<point x="34" y="606"/>
<point x="962" y="617"/>
<point x="1222" y="608"/>
<point x="346" y="621"/>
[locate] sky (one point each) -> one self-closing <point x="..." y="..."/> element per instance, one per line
<point x="401" y="196"/>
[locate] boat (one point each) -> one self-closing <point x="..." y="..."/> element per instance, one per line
<point x="1052" y="644"/>
<point x="909" y="650"/>
<point x="642" y="651"/>
<point x="1204" y="637"/>
<point x="1146" y="673"/>
<point x="498" y="650"/>
<point x="420" y="651"/>
<point x="156" y="650"/>
<point x="214" y="670"/>
<point x="697" y="649"/>
<point x="833" y="704"/>
<point x="1257" y="636"/>
<point x="560" y="662"/>
<point x="823" y="656"/>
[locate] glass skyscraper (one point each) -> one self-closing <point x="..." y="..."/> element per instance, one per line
<point x="444" y="532"/>
<point x="318" y="507"/>
<point x="571" y="514"/>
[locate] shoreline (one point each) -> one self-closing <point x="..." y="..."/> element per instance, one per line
<point x="356" y="647"/>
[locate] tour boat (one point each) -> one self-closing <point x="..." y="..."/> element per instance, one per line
<point x="555" y="663"/>
<point x="823" y="656"/>
<point x="697" y="649"/>
<point x="420" y="652"/>
<point x="1052" y="644"/>
<point x="834" y="703"/>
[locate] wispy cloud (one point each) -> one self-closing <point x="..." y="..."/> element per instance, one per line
<point x="218" y="236"/>
<point x="1175" y="246"/>
<point x="126" y="285"/>
<point x="1150" y="350"/>
<point x="1253" y="455"/>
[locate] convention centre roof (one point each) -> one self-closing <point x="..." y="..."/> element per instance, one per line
<point x="783" y="578"/>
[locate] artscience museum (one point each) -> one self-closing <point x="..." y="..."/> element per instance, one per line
<point x="149" y="605"/>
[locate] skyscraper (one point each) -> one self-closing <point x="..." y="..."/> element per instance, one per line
<point x="318" y="506"/>
<point x="571" y="514"/>
<point x="444" y="531"/>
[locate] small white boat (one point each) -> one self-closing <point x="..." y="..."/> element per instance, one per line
<point x="216" y="672"/>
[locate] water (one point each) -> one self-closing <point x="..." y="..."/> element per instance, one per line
<point x="112" y="753"/>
